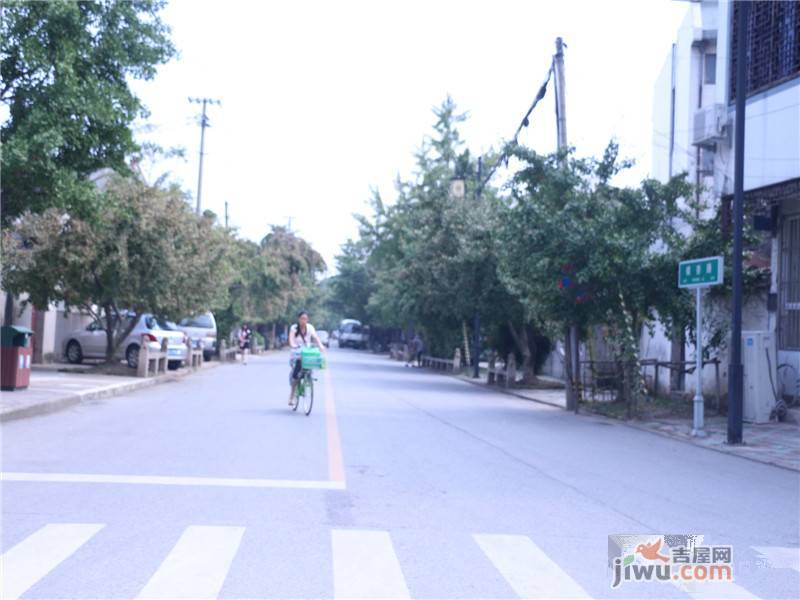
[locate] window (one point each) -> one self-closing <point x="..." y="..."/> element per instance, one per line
<point x="789" y="285"/>
<point x="773" y="48"/>
<point x="201" y="321"/>
<point x="710" y="68"/>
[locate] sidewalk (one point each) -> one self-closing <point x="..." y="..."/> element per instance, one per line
<point x="52" y="390"/>
<point x="775" y="444"/>
<point x="772" y="443"/>
<point x="555" y="397"/>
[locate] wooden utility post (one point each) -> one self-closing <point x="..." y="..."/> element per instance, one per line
<point x="561" y="104"/>
<point x="571" y="343"/>
<point x="203" y="124"/>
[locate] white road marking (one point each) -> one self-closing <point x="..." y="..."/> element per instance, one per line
<point x="366" y="566"/>
<point x="38" y="554"/>
<point x="527" y="569"/>
<point x="172" y="480"/>
<point x="780" y="557"/>
<point x="198" y="564"/>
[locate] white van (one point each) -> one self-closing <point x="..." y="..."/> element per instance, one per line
<point x="353" y="334"/>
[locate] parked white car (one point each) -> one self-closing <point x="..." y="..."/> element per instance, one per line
<point x="201" y="328"/>
<point x="90" y="342"/>
<point x="324" y="337"/>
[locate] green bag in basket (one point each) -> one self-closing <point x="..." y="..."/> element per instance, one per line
<point x="311" y="358"/>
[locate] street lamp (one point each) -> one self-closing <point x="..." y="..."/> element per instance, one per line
<point x="458" y="188"/>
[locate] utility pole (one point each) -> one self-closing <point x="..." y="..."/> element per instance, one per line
<point x="203" y="124"/>
<point x="226" y="214"/>
<point x="561" y="130"/>
<point x="735" y="369"/>
<point x="476" y="371"/>
<point x="561" y="103"/>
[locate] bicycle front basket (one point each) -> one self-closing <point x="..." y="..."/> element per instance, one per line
<point x="311" y="358"/>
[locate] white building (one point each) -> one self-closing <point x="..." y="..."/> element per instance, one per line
<point x="693" y="121"/>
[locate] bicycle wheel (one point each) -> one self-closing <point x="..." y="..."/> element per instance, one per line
<point x="297" y="395"/>
<point x="308" y="397"/>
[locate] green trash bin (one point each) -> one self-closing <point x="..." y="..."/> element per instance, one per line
<point x="16" y="354"/>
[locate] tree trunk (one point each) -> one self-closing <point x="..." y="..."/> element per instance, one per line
<point x="110" y="346"/>
<point x="677" y="354"/>
<point x="114" y="336"/>
<point x="523" y="345"/>
<point x="466" y="341"/>
<point x="571" y="391"/>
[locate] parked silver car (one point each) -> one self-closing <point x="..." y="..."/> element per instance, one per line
<point x="324" y="337"/>
<point x="201" y="328"/>
<point x="91" y="341"/>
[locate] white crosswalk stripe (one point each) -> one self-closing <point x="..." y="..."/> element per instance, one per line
<point x="366" y="566"/>
<point x="527" y="569"/>
<point x="198" y="564"/>
<point x="38" y="554"/>
<point x="780" y="557"/>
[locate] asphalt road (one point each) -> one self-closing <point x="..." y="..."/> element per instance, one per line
<point x="401" y="483"/>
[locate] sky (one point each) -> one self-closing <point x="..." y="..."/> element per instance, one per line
<point x="323" y="101"/>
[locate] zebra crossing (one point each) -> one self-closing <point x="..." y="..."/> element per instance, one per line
<point x="364" y="564"/>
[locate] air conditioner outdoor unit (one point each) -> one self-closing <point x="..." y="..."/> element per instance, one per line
<point x="758" y="397"/>
<point x="710" y="125"/>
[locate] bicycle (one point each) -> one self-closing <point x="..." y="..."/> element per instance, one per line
<point x="304" y="392"/>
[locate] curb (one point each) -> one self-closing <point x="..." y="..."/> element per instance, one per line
<point x="762" y="461"/>
<point x="73" y="399"/>
<point x="639" y="427"/>
<point x="507" y="391"/>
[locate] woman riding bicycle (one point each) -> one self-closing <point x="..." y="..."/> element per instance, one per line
<point x="301" y="334"/>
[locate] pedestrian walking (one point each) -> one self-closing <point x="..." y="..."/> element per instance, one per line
<point x="409" y="352"/>
<point x="245" y="335"/>
<point x="419" y="348"/>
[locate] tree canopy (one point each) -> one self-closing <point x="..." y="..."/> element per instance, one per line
<point x="144" y="251"/>
<point x="65" y="79"/>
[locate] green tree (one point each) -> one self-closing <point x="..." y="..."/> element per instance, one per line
<point x="429" y="260"/>
<point x="65" y="72"/>
<point x="576" y="249"/>
<point x="144" y="252"/>
<point x="352" y="285"/>
<point x="271" y="280"/>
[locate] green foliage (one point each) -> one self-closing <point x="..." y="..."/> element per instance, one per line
<point x="574" y="245"/>
<point x="271" y="281"/>
<point x="65" y="72"/>
<point x="145" y="251"/>
<point x="350" y="289"/>
<point x="409" y="264"/>
<point x="428" y="261"/>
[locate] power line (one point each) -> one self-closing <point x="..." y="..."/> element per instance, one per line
<point x="524" y="123"/>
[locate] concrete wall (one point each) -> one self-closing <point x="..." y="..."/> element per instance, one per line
<point x="772" y="149"/>
<point x="51" y="327"/>
<point x="65" y="324"/>
<point x="554" y="365"/>
<point x="716" y="314"/>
